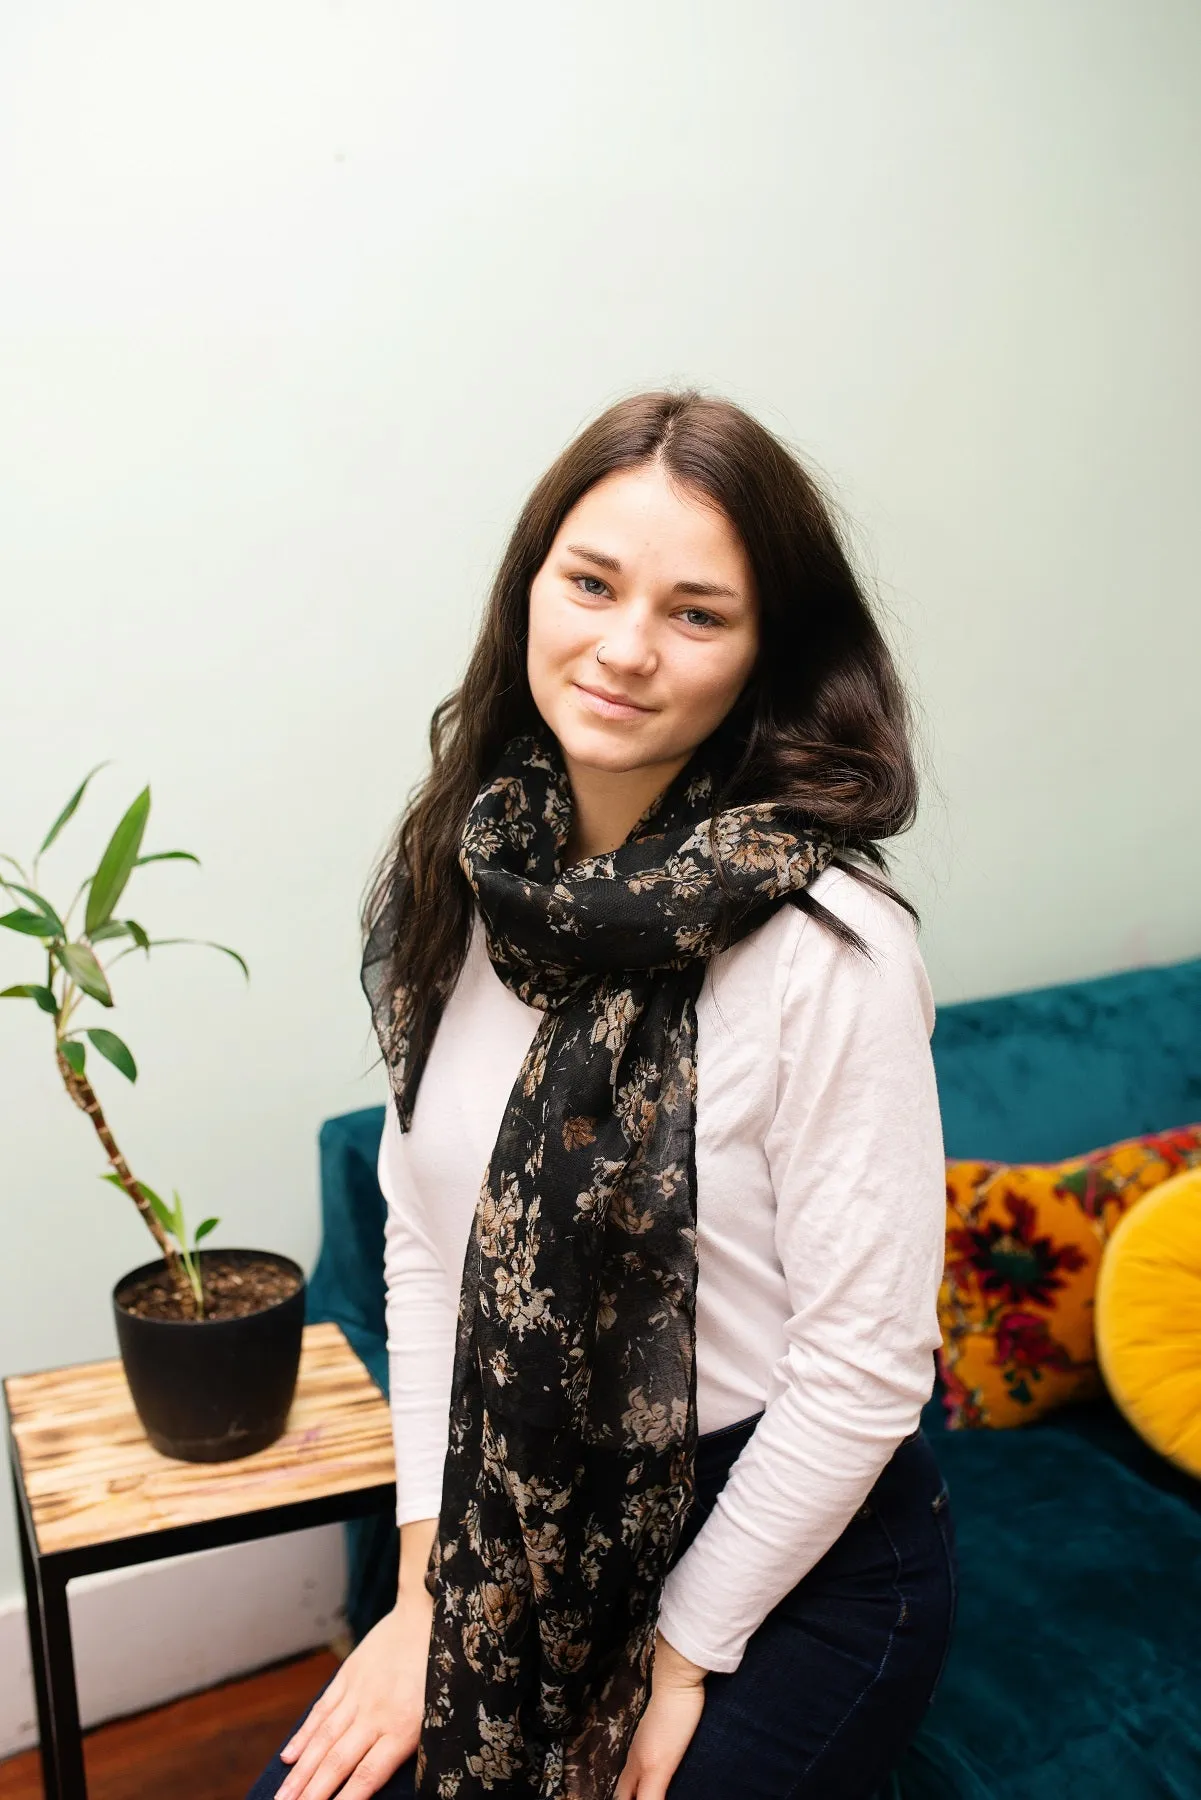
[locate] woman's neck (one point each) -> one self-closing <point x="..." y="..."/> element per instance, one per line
<point x="609" y="803"/>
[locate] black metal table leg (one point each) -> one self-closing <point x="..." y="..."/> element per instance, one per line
<point x="60" y="1740"/>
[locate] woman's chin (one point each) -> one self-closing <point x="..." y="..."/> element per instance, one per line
<point x="596" y="744"/>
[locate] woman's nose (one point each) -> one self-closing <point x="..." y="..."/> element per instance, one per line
<point x="627" y="643"/>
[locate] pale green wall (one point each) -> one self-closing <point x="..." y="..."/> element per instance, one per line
<point x="296" y="301"/>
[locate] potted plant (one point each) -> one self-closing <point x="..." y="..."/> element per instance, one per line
<point x="210" y="1339"/>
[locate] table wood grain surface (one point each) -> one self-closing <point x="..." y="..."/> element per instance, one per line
<point x="93" y="1477"/>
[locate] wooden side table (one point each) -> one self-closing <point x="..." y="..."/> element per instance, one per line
<point x="93" y="1494"/>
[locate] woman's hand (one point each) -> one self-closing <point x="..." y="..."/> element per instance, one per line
<point x="368" y="1720"/>
<point x="666" y="1728"/>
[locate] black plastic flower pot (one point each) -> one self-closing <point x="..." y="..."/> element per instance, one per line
<point x="213" y="1389"/>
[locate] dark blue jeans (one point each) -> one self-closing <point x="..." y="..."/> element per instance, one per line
<point x="836" y="1680"/>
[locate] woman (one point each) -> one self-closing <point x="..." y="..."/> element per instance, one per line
<point x="669" y="1524"/>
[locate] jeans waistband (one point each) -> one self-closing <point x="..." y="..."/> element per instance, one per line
<point x="717" y="1450"/>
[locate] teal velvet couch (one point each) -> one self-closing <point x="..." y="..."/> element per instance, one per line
<point x="1075" y="1670"/>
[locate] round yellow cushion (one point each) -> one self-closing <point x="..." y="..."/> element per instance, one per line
<point x="1148" y="1318"/>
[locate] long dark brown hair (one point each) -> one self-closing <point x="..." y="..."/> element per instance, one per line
<point x="822" y="724"/>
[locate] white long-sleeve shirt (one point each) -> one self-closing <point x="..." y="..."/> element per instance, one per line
<point x="820" y="1237"/>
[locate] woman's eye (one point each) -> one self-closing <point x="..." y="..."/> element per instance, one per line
<point x="599" y="588"/>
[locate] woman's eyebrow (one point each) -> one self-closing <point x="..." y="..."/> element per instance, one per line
<point x="711" y="589"/>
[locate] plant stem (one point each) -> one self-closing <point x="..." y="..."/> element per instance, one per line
<point x="192" y="1264"/>
<point x="84" y="1096"/>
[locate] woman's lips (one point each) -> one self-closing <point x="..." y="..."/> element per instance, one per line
<point x="609" y="709"/>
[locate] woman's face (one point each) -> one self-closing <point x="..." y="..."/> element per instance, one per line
<point x="658" y="579"/>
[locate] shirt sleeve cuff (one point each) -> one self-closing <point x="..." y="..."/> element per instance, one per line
<point x="411" y="1506"/>
<point x="682" y="1637"/>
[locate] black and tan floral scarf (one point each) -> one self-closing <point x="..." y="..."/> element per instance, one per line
<point x="569" y="1465"/>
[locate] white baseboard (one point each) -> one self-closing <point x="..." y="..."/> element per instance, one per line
<point x="146" y="1635"/>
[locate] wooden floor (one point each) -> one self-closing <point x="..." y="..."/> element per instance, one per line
<point x="210" y="1746"/>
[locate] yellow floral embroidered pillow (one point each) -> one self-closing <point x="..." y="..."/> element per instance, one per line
<point x="1024" y="1244"/>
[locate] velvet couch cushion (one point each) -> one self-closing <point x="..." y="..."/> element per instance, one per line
<point x="1052" y="1072"/>
<point x="1072" y="1671"/>
<point x="1148" y="1319"/>
<point x="347" y="1286"/>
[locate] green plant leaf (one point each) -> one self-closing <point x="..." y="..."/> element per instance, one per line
<point x="158" y="1207"/>
<point x="162" y="1213"/>
<point x="208" y="946"/>
<point x="74" y="1055"/>
<point x="33" y="924"/>
<point x="168" y="856"/>
<point x="42" y="905"/>
<point x="203" y="1230"/>
<point x="118" y="928"/>
<point x="69" y="808"/>
<point x="116" y="865"/>
<point x="110" y="1045"/>
<point x="31" y="991"/>
<point x="147" y="1193"/>
<point x="85" y="971"/>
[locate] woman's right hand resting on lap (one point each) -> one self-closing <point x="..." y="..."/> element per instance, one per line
<point x="368" y="1720"/>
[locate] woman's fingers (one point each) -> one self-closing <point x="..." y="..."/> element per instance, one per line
<point x="329" y="1745"/>
<point x="320" y="1710"/>
<point x="338" y="1765"/>
<point x="370" y="1714"/>
<point x="381" y="1761"/>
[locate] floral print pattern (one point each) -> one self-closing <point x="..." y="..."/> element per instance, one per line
<point x="569" y="1465"/>
<point x="1008" y="1257"/>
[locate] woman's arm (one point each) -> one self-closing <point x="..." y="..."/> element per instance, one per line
<point x="421" y="1311"/>
<point x="416" y="1542"/>
<point x="855" y="1153"/>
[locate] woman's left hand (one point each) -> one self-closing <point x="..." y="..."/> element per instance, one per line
<point x="666" y="1728"/>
